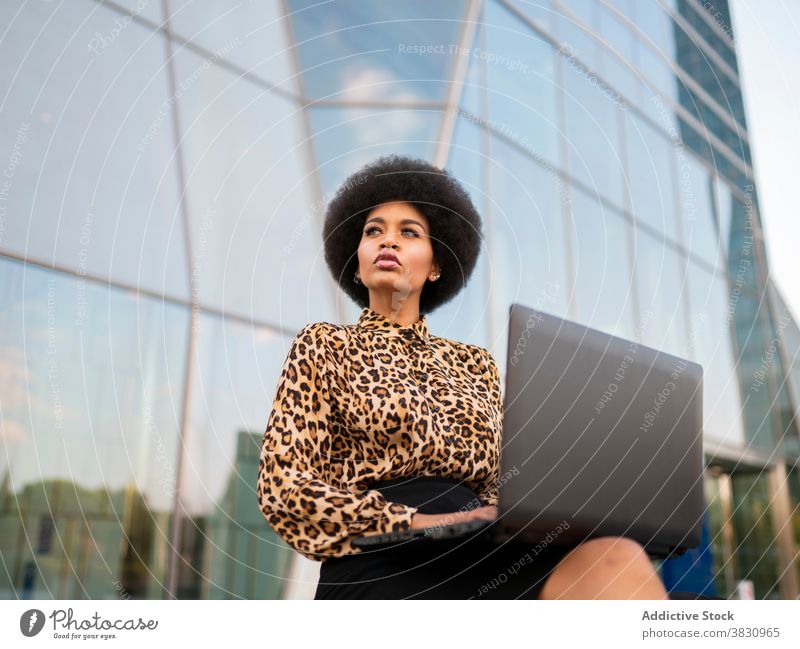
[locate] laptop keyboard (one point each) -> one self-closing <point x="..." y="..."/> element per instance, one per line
<point x="439" y="532"/>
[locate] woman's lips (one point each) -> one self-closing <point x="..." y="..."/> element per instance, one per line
<point x="387" y="264"/>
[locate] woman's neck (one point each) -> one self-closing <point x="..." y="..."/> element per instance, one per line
<point x="407" y="314"/>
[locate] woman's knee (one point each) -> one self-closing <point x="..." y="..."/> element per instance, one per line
<point x="613" y="549"/>
<point x="602" y="553"/>
<point x="594" y="559"/>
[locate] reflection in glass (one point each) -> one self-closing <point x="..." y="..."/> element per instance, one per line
<point x="743" y="531"/>
<point x="657" y="25"/>
<point x="465" y="317"/>
<point x="593" y="134"/>
<point x="661" y="280"/>
<point x="345" y="139"/>
<point x="650" y="162"/>
<point x="253" y="35"/>
<point x="724" y="204"/>
<point x="756" y="552"/>
<point x="793" y="483"/>
<point x="256" y="242"/>
<point x="695" y="188"/>
<point x="528" y="243"/>
<point x="473" y="91"/>
<point x="786" y="415"/>
<point x="618" y="54"/>
<point x="150" y="10"/>
<point x="692" y="56"/>
<point x="584" y="9"/>
<point x="710" y="332"/>
<point x="521" y="79"/>
<point x="659" y="73"/>
<point x="228" y="549"/>
<point x="759" y="378"/>
<point x="575" y="40"/>
<point x="92" y="383"/>
<point x="739" y="224"/>
<point x="789" y="344"/>
<point x="364" y="51"/>
<point x="540" y="11"/>
<point x="86" y="120"/>
<point x="717" y="496"/>
<point x="604" y="290"/>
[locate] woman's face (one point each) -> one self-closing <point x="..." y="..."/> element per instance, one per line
<point x="402" y="225"/>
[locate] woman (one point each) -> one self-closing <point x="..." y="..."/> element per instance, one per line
<point x="382" y="426"/>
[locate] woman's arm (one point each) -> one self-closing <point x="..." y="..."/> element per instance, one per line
<point x="313" y="517"/>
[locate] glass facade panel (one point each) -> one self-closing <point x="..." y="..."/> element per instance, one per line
<point x="528" y="262"/>
<point x="583" y="9"/>
<point x="715" y="497"/>
<point x="656" y="24"/>
<point x="661" y="282"/>
<point x="228" y="552"/>
<point x="149" y="9"/>
<point x="473" y="92"/>
<point x="93" y="181"/>
<point x="616" y="35"/>
<point x="345" y="139"/>
<point x="255" y="226"/>
<point x="593" y="133"/>
<point x="697" y="58"/>
<point x="793" y="480"/>
<point x="724" y="206"/>
<point x="699" y="223"/>
<point x="252" y="35"/>
<point x="466" y="316"/>
<point x="575" y="40"/>
<point x="92" y="382"/>
<point x="622" y="78"/>
<point x="784" y="324"/>
<point x="619" y="53"/>
<point x="738" y="225"/>
<point x="755" y="557"/>
<point x="757" y="366"/>
<point x="658" y="73"/>
<point x="521" y="78"/>
<point x="742" y="534"/>
<point x="359" y="51"/>
<point x="710" y="332"/>
<point x="651" y="177"/>
<point x="540" y="11"/>
<point x="201" y="171"/>
<point x="604" y="291"/>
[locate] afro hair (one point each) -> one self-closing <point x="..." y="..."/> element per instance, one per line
<point x="455" y="224"/>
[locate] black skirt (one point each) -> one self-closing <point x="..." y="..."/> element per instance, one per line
<point x="464" y="568"/>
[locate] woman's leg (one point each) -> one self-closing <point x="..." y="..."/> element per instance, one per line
<point x="608" y="567"/>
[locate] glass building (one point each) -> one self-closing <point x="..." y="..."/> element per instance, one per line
<point x="165" y="170"/>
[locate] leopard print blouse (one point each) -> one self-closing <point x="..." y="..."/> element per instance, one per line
<point x="371" y="401"/>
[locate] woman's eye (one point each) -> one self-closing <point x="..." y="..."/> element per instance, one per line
<point x="370" y="229"/>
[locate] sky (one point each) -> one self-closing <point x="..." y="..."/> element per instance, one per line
<point x="767" y="37"/>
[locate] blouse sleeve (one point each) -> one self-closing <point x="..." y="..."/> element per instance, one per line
<point x="488" y="495"/>
<point x="315" y="518"/>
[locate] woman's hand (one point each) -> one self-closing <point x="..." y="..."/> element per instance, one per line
<point x="488" y="513"/>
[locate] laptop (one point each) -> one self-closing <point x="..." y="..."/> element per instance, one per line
<point x="602" y="436"/>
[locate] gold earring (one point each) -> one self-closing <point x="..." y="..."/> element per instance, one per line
<point x="435" y="277"/>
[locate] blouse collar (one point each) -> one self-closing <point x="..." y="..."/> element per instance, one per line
<point x="374" y="321"/>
